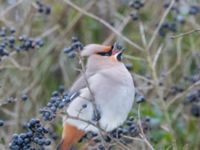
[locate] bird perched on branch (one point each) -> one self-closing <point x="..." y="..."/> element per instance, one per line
<point x="105" y="95"/>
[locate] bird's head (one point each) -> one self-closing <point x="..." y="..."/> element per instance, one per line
<point x="98" y="49"/>
<point x="115" y="51"/>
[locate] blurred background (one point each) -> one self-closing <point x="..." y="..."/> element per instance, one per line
<point x="162" y="42"/>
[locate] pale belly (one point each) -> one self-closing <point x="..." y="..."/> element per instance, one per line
<point x="113" y="102"/>
<point x="114" y="108"/>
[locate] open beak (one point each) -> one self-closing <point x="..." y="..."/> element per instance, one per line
<point x="117" y="50"/>
<point x="118" y="54"/>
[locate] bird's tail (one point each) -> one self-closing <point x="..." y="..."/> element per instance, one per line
<point x="71" y="135"/>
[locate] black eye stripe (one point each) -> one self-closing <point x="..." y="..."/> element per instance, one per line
<point x="109" y="53"/>
<point x="112" y="47"/>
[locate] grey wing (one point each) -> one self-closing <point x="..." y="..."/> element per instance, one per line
<point x="78" y="85"/>
<point x="80" y="92"/>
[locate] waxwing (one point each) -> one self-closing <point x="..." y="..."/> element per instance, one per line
<point x="105" y="95"/>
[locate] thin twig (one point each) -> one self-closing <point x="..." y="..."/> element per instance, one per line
<point x="7" y="10"/>
<point x="185" y="33"/>
<point x="183" y="93"/>
<point x="155" y="77"/>
<point x="160" y="24"/>
<point x="77" y="18"/>
<point x="142" y="135"/>
<point x="133" y="58"/>
<point x="49" y="31"/>
<point x="104" y="23"/>
<point x="3" y="13"/>
<point x="178" y="57"/>
<point x="17" y="65"/>
<point x="142" y="33"/>
<point x="89" y="88"/>
<point x="125" y="21"/>
<point x="141" y="77"/>
<point x="157" y="55"/>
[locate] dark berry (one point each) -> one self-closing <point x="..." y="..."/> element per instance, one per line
<point x="61" y="89"/>
<point x="140" y="98"/>
<point x="48" y="10"/>
<point x="12" y="30"/>
<point x="11" y="39"/>
<point x="134" y="16"/>
<point x="40" y="9"/>
<point x="84" y="105"/>
<point x="129" y="66"/>
<point x="194" y="10"/>
<point x="24" y="97"/>
<point x="67" y="50"/>
<point x="137" y="4"/>
<point x="1" y="123"/>
<point x="195" y="110"/>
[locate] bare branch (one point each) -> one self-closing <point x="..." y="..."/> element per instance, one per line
<point x="160" y="24"/>
<point x="104" y="23"/>
<point x="183" y="93"/>
<point x="157" y="55"/>
<point x="142" y="135"/>
<point x="125" y="21"/>
<point x="185" y="33"/>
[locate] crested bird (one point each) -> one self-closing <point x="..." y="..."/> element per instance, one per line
<point x="105" y="95"/>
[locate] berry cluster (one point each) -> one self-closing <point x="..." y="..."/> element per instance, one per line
<point x="130" y="128"/>
<point x="75" y="45"/>
<point x="193" y="98"/>
<point x="10" y="42"/>
<point x="42" y="8"/>
<point x="7" y="40"/>
<point x="57" y="102"/>
<point x="11" y="99"/>
<point x="34" y="139"/>
<point x="194" y="78"/>
<point x="166" y="27"/>
<point x="136" y="5"/>
<point x="179" y="17"/>
<point x="194" y="10"/>
<point x="173" y="91"/>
